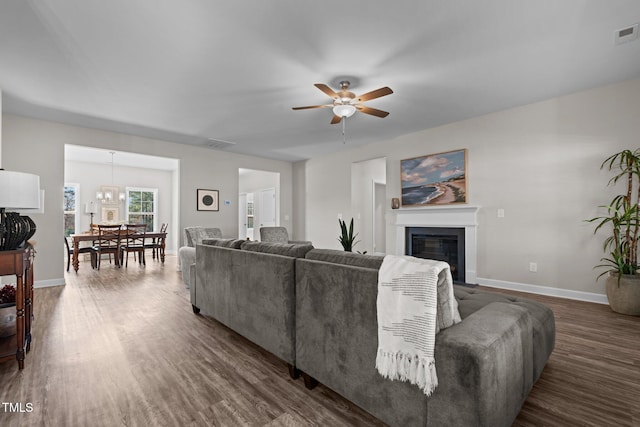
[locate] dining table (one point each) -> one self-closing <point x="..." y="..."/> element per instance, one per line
<point x="91" y="236"/>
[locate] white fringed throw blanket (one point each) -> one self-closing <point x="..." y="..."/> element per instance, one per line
<point x="407" y="314"/>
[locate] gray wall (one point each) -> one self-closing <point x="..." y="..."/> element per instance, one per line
<point x="540" y="163"/>
<point x="37" y="146"/>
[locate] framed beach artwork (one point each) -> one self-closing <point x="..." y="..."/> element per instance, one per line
<point x="435" y="179"/>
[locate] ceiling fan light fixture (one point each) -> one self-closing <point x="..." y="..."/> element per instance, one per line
<point x="346" y="103"/>
<point x="344" y="110"/>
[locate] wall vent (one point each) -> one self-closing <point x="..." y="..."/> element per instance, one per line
<point x="219" y="144"/>
<point x="625" y="35"/>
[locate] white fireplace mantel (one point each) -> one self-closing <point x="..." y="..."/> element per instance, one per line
<point x="454" y="216"/>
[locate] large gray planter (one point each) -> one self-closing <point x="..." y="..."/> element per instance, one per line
<point x="624" y="297"/>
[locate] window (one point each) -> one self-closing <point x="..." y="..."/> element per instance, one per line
<point x="250" y="210"/>
<point x="142" y="206"/>
<point x="71" y="212"/>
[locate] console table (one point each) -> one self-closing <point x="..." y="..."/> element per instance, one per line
<point x="19" y="263"/>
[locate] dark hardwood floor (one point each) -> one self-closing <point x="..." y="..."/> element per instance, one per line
<point x="121" y="347"/>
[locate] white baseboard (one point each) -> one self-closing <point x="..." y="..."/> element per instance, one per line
<point x="544" y="290"/>
<point x="47" y="283"/>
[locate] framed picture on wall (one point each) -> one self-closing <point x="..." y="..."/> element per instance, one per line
<point x="110" y="215"/>
<point x="208" y="200"/>
<point x="434" y="179"/>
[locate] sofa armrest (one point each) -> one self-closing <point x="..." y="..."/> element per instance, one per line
<point x="484" y="366"/>
<point x="192" y="276"/>
<point x="187" y="256"/>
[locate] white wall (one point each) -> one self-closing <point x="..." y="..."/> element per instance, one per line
<point x="251" y="181"/>
<point x="299" y="195"/>
<point x="92" y="176"/>
<point x="37" y="146"/>
<point x="1" y="128"/>
<point x="540" y="163"/>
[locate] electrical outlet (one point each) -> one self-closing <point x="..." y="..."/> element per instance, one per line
<point x="533" y="267"/>
<point x="339" y="216"/>
<point x="500" y="213"/>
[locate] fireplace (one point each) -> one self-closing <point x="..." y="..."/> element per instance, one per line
<point x="462" y="218"/>
<point x="438" y="243"/>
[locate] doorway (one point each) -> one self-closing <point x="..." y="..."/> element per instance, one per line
<point x="368" y="194"/>
<point x="258" y="202"/>
<point x="92" y="169"/>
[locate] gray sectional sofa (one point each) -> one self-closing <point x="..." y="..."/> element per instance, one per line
<point x="252" y="290"/>
<point x="316" y="310"/>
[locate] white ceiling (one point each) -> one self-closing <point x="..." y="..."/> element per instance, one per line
<point x="194" y="70"/>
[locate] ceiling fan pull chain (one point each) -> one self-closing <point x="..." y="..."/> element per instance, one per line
<point x="344" y="125"/>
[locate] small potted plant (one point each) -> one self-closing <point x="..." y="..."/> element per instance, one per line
<point x="347" y="238"/>
<point x="621" y="247"/>
<point x="7" y="310"/>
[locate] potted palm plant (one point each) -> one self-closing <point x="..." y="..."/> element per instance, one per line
<point x="621" y="247"/>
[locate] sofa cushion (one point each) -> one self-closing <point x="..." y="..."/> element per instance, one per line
<point x="274" y="234"/>
<point x="445" y="304"/>
<point x="225" y="243"/>
<point x="542" y="320"/>
<point x="346" y="258"/>
<point x="286" y="249"/>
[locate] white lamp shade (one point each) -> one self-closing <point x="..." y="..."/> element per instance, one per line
<point x="90" y="208"/>
<point x="19" y="190"/>
<point x="344" y="110"/>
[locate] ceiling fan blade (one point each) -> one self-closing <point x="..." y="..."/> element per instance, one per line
<point x="336" y="120"/>
<point x="372" y="111"/>
<point x="383" y="91"/>
<point x="326" y="89"/>
<point x="311" y="106"/>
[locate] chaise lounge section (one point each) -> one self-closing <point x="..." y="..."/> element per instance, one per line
<point x="486" y="364"/>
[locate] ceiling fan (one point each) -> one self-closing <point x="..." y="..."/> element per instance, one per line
<point x="346" y="103"/>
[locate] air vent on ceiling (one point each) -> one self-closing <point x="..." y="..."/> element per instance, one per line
<point x="219" y="144"/>
<point x="627" y="34"/>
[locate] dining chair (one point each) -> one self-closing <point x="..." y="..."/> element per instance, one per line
<point x="82" y="250"/>
<point x="107" y="242"/>
<point x="157" y="245"/>
<point x="134" y="238"/>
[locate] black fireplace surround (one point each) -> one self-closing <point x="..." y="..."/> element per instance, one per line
<point x="438" y="243"/>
